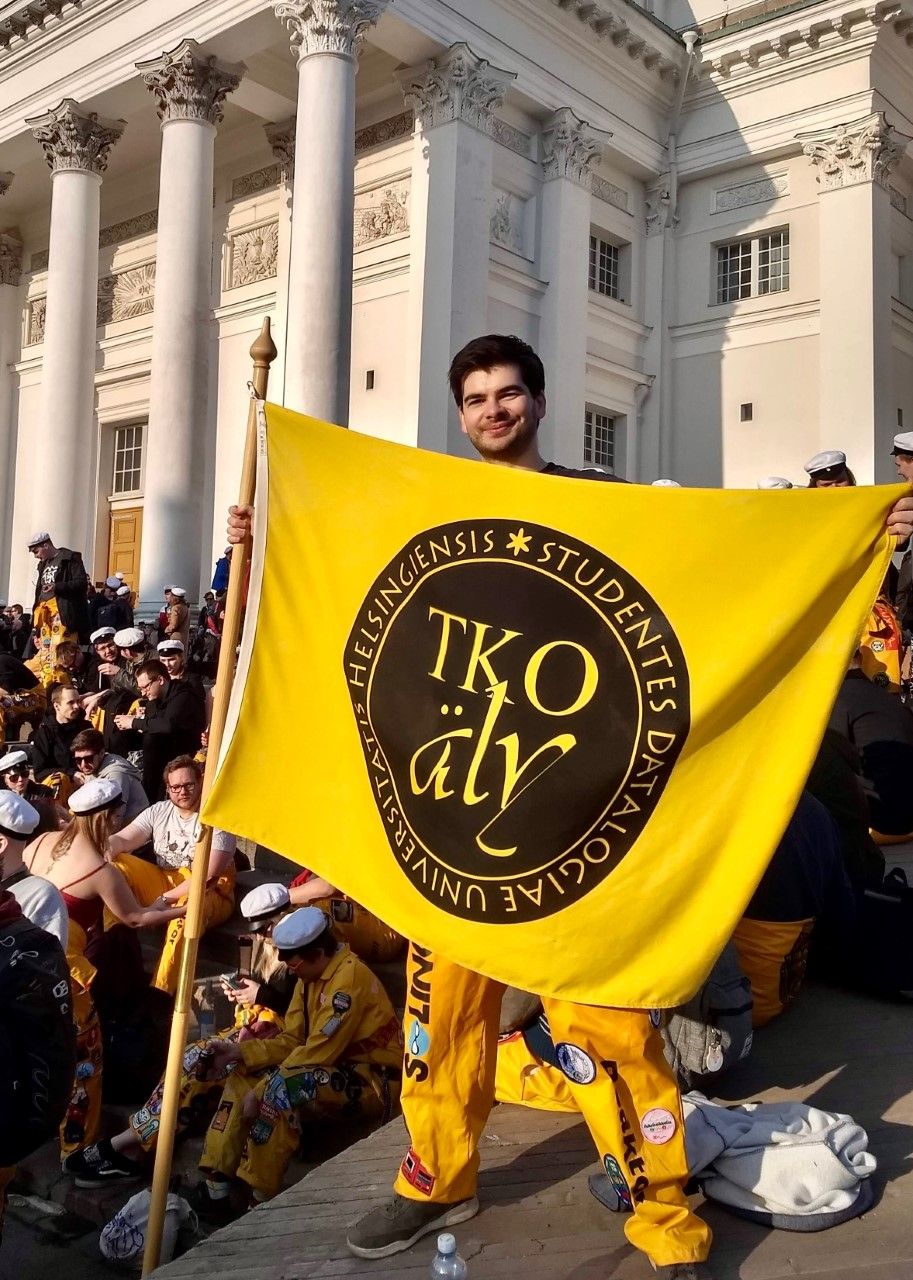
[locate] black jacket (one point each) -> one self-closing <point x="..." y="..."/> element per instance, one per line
<point x="37" y="1034"/>
<point x="109" y="613"/>
<point x="51" y="744"/>
<point x="880" y="727"/>
<point x="15" y="676"/>
<point x="171" y="727"/>
<point x="70" y="588"/>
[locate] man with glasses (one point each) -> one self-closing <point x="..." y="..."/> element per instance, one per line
<point x="173" y="827"/>
<point x="171" y="722"/>
<point x="93" y="761"/>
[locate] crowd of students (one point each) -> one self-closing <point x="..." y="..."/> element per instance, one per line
<point x="101" y="810"/>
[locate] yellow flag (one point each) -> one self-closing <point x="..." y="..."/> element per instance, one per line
<point x="551" y="728"/>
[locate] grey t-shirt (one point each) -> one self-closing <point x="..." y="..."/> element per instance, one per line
<point x="42" y="903"/>
<point x="174" y="834"/>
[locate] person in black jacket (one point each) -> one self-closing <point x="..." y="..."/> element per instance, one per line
<point x="880" y="727"/>
<point x="37" y="1037"/>
<point x="51" y="741"/>
<point x="171" y="724"/>
<point x="107" y="609"/>
<point x="62" y="587"/>
<point x="22" y="696"/>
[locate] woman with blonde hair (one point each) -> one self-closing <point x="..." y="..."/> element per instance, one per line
<point x="73" y="860"/>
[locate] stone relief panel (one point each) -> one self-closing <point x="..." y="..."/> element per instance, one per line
<point x="35" y="314"/>
<point x="389" y="130"/>
<point x="126" y="295"/>
<point x="508" y="222"/>
<point x="253" y="254"/>
<point x="381" y="212"/>
<point x="602" y="189"/>
<point x="760" y="191"/>
<point x="251" y="184"/>
<point x="143" y="224"/>
<point x="507" y="136"/>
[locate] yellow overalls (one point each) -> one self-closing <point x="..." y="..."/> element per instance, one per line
<point x="613" y="1063"/>
<point x="340" y="1054"/>
<point x="80" y="1125"/>
<point x="148" y="882"/>
<point x="773" y="955"/>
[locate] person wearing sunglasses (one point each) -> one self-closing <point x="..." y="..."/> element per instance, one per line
<point x="15" y="776"/>
<point x="93" y="761"/>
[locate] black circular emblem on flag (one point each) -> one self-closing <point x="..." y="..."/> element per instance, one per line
<point x="521" y="701"/>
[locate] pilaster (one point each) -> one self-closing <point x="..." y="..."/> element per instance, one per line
<point x="454" y="98"/>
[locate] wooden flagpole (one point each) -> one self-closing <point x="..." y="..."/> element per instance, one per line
<point x="263" y="353"/>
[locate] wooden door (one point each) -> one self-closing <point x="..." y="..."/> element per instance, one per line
<point x="124" y="544"/>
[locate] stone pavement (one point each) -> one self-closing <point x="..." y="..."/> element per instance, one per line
<point x="842" y="1051"/>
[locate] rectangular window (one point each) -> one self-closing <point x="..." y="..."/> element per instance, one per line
<point x="599" y="439"/>
<point x="753" y="267"/>
<point x="603" y="267"/>
<point x="128" y="459"/>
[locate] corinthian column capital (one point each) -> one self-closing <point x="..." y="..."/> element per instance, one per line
<point x="459" y="85"/>
<point x="570" y="146"/>
<point x="10" y="259"/>
<point x="281" y="137"/>
<point x="865" y="150"/>
<point x="189" y="84"/>
<point x="75" y="139"/>
<point x="328" y="26"/>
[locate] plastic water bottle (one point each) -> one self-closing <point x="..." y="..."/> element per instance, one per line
<point x="447" y="1264"/>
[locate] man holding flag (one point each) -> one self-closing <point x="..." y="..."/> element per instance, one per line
<point x="611" y="1056"/>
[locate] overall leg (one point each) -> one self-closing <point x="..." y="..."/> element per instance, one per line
<point x="197" y="1099"/>
<point x="613" y="1060"/>
<point x="451" y="1033"/>
<point x="521" y="1078"/>
<point x="218" y="905"/>
<point x="227" y="1132"/>
<point x="147" y="881"/>
<point x="81" y="1123"/>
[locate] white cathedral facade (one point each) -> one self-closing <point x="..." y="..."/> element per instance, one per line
<point x="700" y="212"/>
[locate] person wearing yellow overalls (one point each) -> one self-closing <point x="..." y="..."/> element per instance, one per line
<point x="173" y="827"/>
<point x="340" y="1054"/>
<point x="805" y="881"/>
<point x="260" y="1009"/>
<point x="369" y="937"/>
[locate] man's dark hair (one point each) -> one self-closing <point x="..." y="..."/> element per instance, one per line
<point x="153" y="668"/>
<point x="494" y="349"/>
<point x="88" y="740"/>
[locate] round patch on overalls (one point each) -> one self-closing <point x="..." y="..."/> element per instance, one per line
<point x="658" y="1126"/>
<point x="576" y="1065"/>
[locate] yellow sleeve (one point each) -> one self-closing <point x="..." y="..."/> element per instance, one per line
<point x="270" y="1053"/>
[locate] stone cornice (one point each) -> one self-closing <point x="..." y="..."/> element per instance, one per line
<point x="75" y="139"/>
<point x="31" y="17"/>
<point x="458" y="85"/>
<point x="189" y="84"/>
<point x="613" y="21"/>
<point x="327" y="26"/>
<point x="866" y="150"/>
<point x="787" y="37"/>
<point x="569" y="147"/>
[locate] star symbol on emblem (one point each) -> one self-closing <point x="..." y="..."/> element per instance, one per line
<point x="519" y="542"/>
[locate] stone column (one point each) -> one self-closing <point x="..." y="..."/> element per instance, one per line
<point x="856" y="393"/>
<point x="10" y="320"/>
<point x="568" y="148"/>
<point x="190" y="89"/>
<point x="454" y="98"/>
<point x="325" y="37"/>
<point x="281" y="138"/>
<point x="76" y="145"/>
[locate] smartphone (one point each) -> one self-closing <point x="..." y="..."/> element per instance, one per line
<point x="245" y="953"/>
<point x="233" y="980"/>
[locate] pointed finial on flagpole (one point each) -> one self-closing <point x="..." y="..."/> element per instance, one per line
<point x="263" y="352"/>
